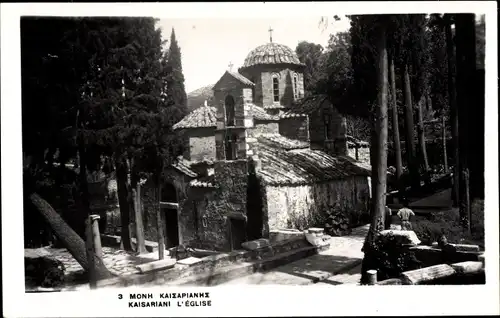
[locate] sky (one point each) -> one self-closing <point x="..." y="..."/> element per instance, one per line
<point x="209" y="45"/>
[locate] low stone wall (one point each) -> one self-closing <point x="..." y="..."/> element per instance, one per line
<point x="284" y="235"/>
<point x="209" y="264"/>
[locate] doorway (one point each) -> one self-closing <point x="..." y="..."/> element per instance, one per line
<point x="169" y="208"/>
<point x="237" y="233"/>
<point x="172" y="228"/>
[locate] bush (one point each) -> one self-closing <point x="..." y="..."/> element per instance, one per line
<point x="337" y="221"/>
<point x="44" y="271"/>
<point x="447" y="223"/>
<point x="388" y="256"/>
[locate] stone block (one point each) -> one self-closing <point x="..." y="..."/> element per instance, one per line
<point x="460" y="247"/>
<point x="316" y="230"/>
<point x="256" y="244"/>
<point x="481" y="258"/>
<point x="190" y="261"/>
<point x="315" y="240"/>
<point x="404" y="237"/>
<point x="427" y="274"/>
<point x="156" y="265"/>
<point x="467" y="267"/>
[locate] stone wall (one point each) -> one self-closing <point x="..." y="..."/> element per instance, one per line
<point x="337" y="144"/>
<point x="295" y="128"/>
<point x="263" y="127"/>
<point x="288" y="206"/>
<point x="214" y="208"/>
<point x="363" y="154"/>
<point x="262" y="76"/>
<point x="150" y="202"/>
<point x="201" y="144"/>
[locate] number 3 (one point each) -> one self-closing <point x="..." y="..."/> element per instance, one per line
<point x="120" y="296"/>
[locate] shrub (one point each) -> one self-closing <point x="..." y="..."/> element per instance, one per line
<point x="447" y="223"/>
<point x="337" y="221"/>
<point x="388" y="256"/>
<point x="44" y="271"/>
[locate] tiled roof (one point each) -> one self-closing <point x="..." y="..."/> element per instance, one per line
<point x="184" y="166"/>
<point x="303" y="166"/>
<point x="241" y="78"/>
<point x="259" y="113"/>
<point x="306" y="106"/>
<point x="204" y="116"/>
<point x="274" y="106"/>
<point x="271" y="53"/>
<point x="203" y="182"/>
<point x="277" y="140"/>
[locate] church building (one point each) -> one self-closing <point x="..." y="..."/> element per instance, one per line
<point x="261" y="158"/>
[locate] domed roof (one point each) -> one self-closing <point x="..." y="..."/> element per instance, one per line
<point x="271" y="53"/>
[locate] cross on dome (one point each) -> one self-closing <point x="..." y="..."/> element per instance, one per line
<point x="270" y="34"/>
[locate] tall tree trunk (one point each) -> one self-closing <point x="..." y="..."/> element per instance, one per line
<point x="466" y="69"/>
<point x="378" y="153"/>
<point x="139" y="225"/>
<point x="421" y="138"/>
<point x="159" y="221"/>
<point x="445" y="155"/>
<point x="83" y="187"/>
<point x="395" y="125"/>
<point x="450" y="48"/>
<point x="123" y="200"/>
<point x="410" y="141"/>
<point x="137" y="208"/>
<point x="71" y="241"/>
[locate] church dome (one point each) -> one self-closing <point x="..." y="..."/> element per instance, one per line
<point x="271" y="53"/>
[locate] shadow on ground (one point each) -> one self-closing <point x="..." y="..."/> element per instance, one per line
<point x="319" y="266"/>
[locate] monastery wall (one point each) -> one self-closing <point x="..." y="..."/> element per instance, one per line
<point x="305" y="206"/>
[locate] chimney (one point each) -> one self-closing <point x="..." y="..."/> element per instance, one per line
<point x="206" y="103"/>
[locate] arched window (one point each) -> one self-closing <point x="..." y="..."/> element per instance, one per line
<point x="229" y="105"/>
<point x="276" y="88"/>
<point x="295" y="86"/>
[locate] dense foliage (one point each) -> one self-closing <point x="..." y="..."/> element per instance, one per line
<point x="389" y="257"/>
<point x="95" y="96"/>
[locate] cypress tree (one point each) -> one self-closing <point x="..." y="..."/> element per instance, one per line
<point x="175" y="91"/>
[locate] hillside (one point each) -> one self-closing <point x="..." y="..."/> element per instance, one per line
<point x="197" y="97"/>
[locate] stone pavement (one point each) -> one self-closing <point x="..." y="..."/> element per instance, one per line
<point x="344" y="255"/>
<point x="117" y="261"/>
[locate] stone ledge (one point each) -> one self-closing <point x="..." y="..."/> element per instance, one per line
<point x="467" y="267"/>
<point x="156" y="265"/>
<point x="461" y="247"/>
<point x="190" y="261"/>
<point x="256" y="244"/>
<point x="427" y="274"/>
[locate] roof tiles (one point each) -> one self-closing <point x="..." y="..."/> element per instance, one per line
<point x="303" y="166"/>
<point x="204" y="116"/>
<point x="271" y="53"/>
